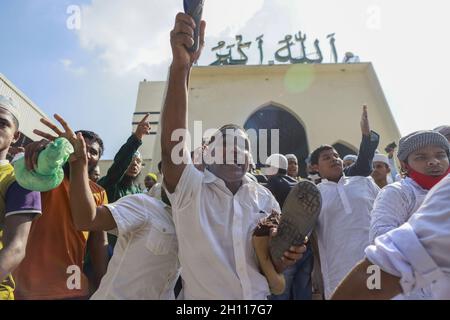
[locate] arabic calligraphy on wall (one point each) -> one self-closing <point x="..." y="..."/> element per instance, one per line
<point x="293" y="50"/>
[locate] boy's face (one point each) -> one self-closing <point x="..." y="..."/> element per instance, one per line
<point x="93" y="153"/>
<point x="8" y="130"/>
<point x="380" y="170"/>
<point x="429" y="160"/>
<point x="292" y="168"/>
<point x="330" y="165"/>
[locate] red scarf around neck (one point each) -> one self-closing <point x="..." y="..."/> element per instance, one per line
<point x="426" y="182"/>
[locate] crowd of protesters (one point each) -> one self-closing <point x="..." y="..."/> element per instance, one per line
<point x="189" y="232"/>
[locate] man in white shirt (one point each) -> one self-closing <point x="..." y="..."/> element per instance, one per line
<point x="145" y="263"/>
<point x="411" y="257"/>
<point x="343" y="226"/>
<point x="215" y="211"/>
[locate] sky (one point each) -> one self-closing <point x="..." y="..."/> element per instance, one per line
<point x="84" y="59"/>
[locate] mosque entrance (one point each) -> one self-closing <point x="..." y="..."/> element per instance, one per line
<point x="292" y="134"/>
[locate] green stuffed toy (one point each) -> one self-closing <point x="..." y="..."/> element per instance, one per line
<point x="49" y="172"/>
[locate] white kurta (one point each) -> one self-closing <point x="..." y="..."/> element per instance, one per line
<point x="343" y="226"/>
<point x="394" y="206"/>
<point x="418" y="251"/>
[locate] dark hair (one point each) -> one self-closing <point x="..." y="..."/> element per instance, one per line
<point x="282" y="171"/>
<point x="316" y="153"/>
<point x="93" y="137"/>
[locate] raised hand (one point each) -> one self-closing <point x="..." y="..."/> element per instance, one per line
<point x="33" y="149"/>
<point x="79" y="154"/>
<point x="365" y="127"/>
<point x="68" y="133"/>
<point x="143" y="128"/>
<point x="182" y="37"/>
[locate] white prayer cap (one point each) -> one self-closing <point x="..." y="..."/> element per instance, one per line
<point x="291" y="157"/>
<point x="381" y="158"/>
<point x="274" y="163"/>
<point x="9" y="105"/>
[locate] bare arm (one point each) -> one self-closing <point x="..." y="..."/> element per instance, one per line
<point x="354" y="286"/>
<point x="369" y="143"/>
<point x="98" y="249"/>
<point x="174" y="115"/>
<point x="85" y="213"/>
<point x="125" y="155"/>
<point x="16" y="230"/>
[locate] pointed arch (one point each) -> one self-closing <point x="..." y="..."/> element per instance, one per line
<point x="292" y="132"/>
<point x="344" y="148"/>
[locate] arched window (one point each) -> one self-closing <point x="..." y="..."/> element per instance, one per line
<point x="291" y="133"/>
<point x="344" y="150"/>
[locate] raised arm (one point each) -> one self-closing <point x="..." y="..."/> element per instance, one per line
<point x="125" y="154"/>
<point x="85" y="214"/>
<point x="369" y="144"/>
<point x="174" y="115"/>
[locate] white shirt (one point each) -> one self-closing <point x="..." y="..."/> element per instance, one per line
<point x="155" y="191"/>
<point x="418" y="251"/>
<point x="394" y="171"/>
<point x="394" y="206"/>
<point x="145" y="263"/>
<point x="343" y="226"/>
<point x="214" y="229"/>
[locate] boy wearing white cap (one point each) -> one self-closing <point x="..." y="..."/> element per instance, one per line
<point x="381" y="170"/>
<point x="292" y="170"/>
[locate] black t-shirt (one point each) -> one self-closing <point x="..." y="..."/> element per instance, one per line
<point x="280" y="185"/>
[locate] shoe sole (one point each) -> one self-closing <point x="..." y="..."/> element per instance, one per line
<point x="299" y="216"/>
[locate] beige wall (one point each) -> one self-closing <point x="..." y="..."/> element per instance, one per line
<point x="150" y="99"/>
<point x="326" y="98"/>
<point x="30" y="114"/>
